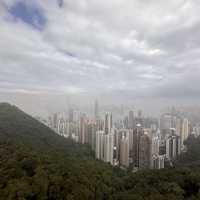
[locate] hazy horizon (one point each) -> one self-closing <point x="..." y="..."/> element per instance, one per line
<point x="143" y="54"/>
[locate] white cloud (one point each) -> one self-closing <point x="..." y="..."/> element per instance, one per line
<point x="91" y="46"/>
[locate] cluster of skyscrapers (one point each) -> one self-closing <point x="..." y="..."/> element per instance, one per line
<point x="133" y="141"/>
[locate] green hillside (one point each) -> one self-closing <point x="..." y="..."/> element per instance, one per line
<point x="17" y="126"/>
<point x="36" y="164"/>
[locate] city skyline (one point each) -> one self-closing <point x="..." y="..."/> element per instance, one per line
<point x="131" y="140"/>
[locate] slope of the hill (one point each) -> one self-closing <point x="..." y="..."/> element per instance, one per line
<point x="36" y="164"/>
<point x="15" y="125"/>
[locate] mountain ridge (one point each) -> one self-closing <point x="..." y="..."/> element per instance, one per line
<point x="22" y="128"/>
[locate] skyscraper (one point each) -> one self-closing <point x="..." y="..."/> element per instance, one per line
<point x="141" y="148"/>
<point x="172" y="145"/>
<point x="61" y="127"/>
<point x="82" y="130"/>
<point x="90" y="133"/>
<point x="108" y="123"/>
<point x="136" y="141"/>
<point x="124" y="151"/>
<point x="108" y="148"/>
<point x="131" y="122"/>
<point x="144" y="151"/>
<point x="96" y="110"/>
<point x="99" y="147"/>
<point x="93" y="136"/>
<point x="157" y="160"/>
<point x="178" y="126"/>
<point x="184" y="132"/>
<point x="155" y="145"/>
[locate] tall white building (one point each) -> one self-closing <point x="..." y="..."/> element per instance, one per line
<point x="104" y="148"/>
<point x="158" y="162"/>
<point x="173" y="146"/>
<point x="61" y="127"/>
<point x="99" y="147"/>
<point x="178" y="126"/>
<point x="155" y="145"/>
<point x="185" y="131"/>
<point x="108" y="123"/>
<point x="124" y="151"/>
<point x="131" y="122"/>
<point x="108" y="148"/>
<point x="82" y="130"/>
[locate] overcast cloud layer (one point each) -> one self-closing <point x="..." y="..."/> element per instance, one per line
<point x="118" y="48"/>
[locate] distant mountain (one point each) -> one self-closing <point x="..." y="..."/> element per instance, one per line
<point x="37" y="164"/>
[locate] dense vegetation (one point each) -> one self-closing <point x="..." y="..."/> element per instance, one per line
<point x="36" y="164"/>
<point x="192" y="156"/>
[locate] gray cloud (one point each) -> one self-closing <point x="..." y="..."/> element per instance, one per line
<point x="132" y="49"/>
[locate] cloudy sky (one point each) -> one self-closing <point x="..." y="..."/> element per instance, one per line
<point x="121" y="50"/>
